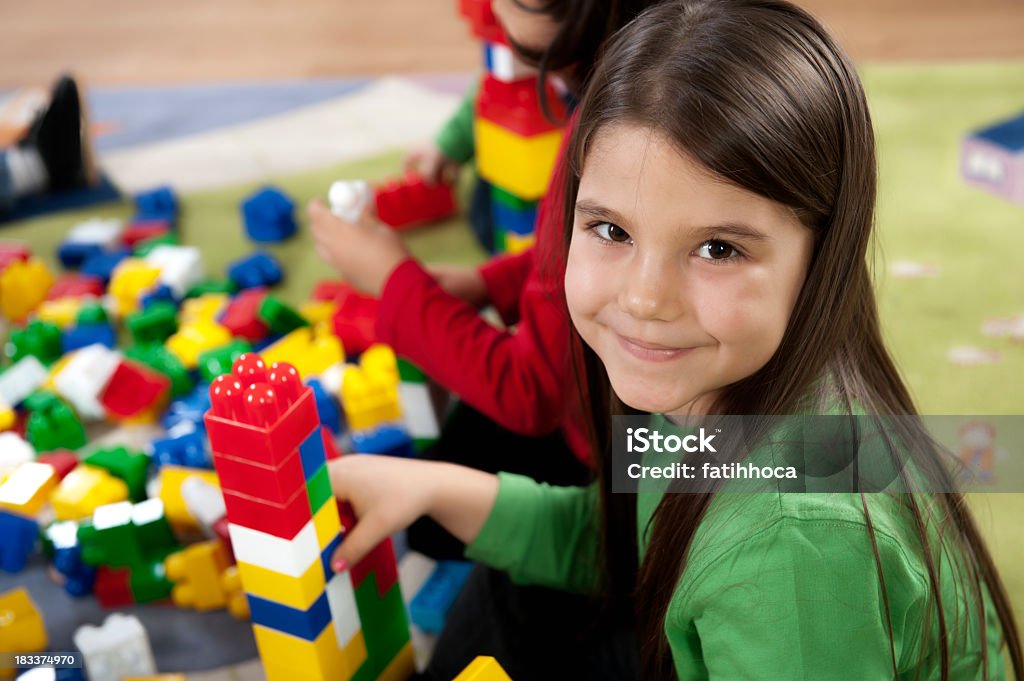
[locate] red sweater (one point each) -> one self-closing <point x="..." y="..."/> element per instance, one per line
<point x="520" y="378"/>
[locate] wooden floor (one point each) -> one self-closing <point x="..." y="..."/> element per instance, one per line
<point x="165" y="41"/>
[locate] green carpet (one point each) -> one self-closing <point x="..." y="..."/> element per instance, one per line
<point x="926" y="214"/>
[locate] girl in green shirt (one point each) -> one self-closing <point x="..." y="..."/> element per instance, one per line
<point x="719" y="205"/>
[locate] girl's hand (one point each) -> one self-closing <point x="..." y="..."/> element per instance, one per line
<point x="364" y="253"/>
<point x="462" y="282"/>
<point x="432" y="165"/>
<point x="389" y="493"/>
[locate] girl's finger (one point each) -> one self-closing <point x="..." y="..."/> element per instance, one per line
<point x="358" y="542"/>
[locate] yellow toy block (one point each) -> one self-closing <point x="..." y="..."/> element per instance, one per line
<point x="327" y="523"/>
<point x="311" y="350"/>
<point x="379" y="360"/>
<point x="23" y="287"/>
<point x="519" y="165"/>
<point x="21" y="626"/>
<point x="369" y="398"/>
<point x="204" y="308"/>
<point x="7" y="417"/>
<point x="290" y="658"/>
<point x="28" y="488"/>
<point x="195" y="338"/>
<point x="317" y="311"/>
<point x="197" y="575"/>
<point x="295" y="592"/>
<point x="238" y="604"/>
<point x="402" y="665"/>
<point x="483" y="669"/>
<point x="515" y="243"/>
<point x="171" y="480"/>
<point x="85" y="489"/>
<point x="62" y="312"/>
<point x="131" y="278"/>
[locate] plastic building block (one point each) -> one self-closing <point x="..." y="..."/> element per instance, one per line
<point x="86" y="238"/>
<point x="327" y="407"/>
<point x="181" y="267"/>
<point x="189" y="408"/>
<point x="130" y="279"/>
<point x="318" y="311"/>
<point x="121" y="462"/>
<point x="517" y="163"/>
<point x="429" y="607"/>
<point x="62" y="312"/>
<point x="72" y="285"/>
<point x="517" y="244"/>
<point x="206" y="504"/>
<point x="172" y="482"/>
<point x="369" y="399"/>
<point x="84" y="335"/>
<point x="72" y="255"/>
<point x="993" y="158"/>
<point x="204" y="308"/>
<point x="258" y="269"/>
<point x="310" y="350"/>
<point x="225" y="286"/>
<point x="85" y="489"/>
<point x="13" y="251"/>
<point x="269" y="215"/>
<point x="52" y="424"/>
<point x="389" y="439"/>
<point x="132" y="389"/>
<point x="184" y="448"/>
<point x="8" y="417"/>
<point x="278" y="317"/>
<point x="354" y="320"/>
<point x="143" y="230"/>
<point x="62" y="538"/>
<point x="216" y="362"/>
<point x="39" y="339"/>
<point x="21" y="379"/>
<point x="102" y="265"/>
<point x="512" y="214"/>
<point x="420" y="417"/>
<point x="17" y="539"/>
<point x="14" y="451"/>
<point x="147" y="246"/>
<point x="482" y="22"/>
<point x="62" y="461"/>
<point x="386" y="631"/>
<point x="238" y="605"/>
<point x="21" y="625"/>
<point x="162" y="293"/>
<point x="290" y="658"/>
<point x="483" y="669"/>
<point x="127" y="535"/>
<point x="23" y="286"/>
<point x="502" y="63"/>
<point x="116" y="649"/>
<point x="196" y="337"/>
<point x="155" y="324"/>
<point x="112" y="587"/>
<point x="162" y="360"/>
<point x="515" y="106"/>
<point x="157" y="204"/>
<point x="83" y="377"/>
<point x="410" y="201"/>
<point x="349" y="198"/>
<point x="242" y="317"/>
<point x="197" y="575"/>
<point x="28" y="488"/>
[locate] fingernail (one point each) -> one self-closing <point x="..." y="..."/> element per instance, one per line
<point x="340" y="565"/>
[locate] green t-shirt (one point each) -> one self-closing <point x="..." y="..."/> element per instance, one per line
<point x="776" y="586"/>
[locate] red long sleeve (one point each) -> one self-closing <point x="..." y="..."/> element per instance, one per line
<point x="505" y="277"/>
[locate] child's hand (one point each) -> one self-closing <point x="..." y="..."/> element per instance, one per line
<point x="389" y="493"/>
<point x="432" y="165"/>
<point x="364" y="253"/>
<point x="462" y="282"/>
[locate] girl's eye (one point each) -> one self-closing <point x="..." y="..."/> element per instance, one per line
<point x="713" y="249"/>
<point x="611" y="232"/>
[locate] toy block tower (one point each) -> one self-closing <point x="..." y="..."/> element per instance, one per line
<point x="516" y="144"/>
<point x="269" y="452"/>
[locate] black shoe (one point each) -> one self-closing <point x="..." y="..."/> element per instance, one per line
<point x="58" y="135"/>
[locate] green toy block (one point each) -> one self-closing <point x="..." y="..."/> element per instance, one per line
<point x="216" y="362"/>
<point x="319" y="489"/>
<point x="159" y="358"/>
<point x="149" y="582"/>
<point x="143" y="248"/>
<point x="280" y="318"/>
<point x="385" y="626"/>
<point x="40" y="339"/>
<point x="52" y="424"/>
<point x="92" y="313"/>
<point x="212" y="286"/>
<point x="499" y="241"/>
<point x="131" y="535"/>
<point x="132" y="467"/>
<point x="153" y="325"/>
<point x="409" y="372"/>
<point x="499" y="195"/>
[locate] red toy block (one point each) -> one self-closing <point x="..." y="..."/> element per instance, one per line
<point x="241" y="317"/>
<point x="330" y="290"/>
<point x="355" y="321"/>
<point x="133" y="388"/>
<point x="281" y="520"/>
<point x="113" y="587"/>
<point x="74" y="285"/>
<point x="140" y="230"/>
<point x="274" y="484"/>
<point x="13" y="251"/>
<point x="62" y="461"/>
<point x="410" y="201"/>
<point x="516" y="106"/>
<point x="220" y="529"/>
<point x="381" y="561"/>
<point x="482" y="21"/>
<point x="268" y="445"/>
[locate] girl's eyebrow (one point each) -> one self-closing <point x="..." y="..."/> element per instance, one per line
<point x="734" y="230"/>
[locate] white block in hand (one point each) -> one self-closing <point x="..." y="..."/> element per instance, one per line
<point x="349" y="198"/>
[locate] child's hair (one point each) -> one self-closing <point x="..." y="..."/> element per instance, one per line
<point x="759" y="94"/>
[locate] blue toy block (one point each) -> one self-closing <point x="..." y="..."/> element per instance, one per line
<point x="325" y="556"/>
<point x="429" y="607"/>
<point x="188" y="409"/>
<point x="258" y="269"/>
<point x="73" y="255"/>
<point x="182" y="449"/>
<point x="103" y="263"/>
<point x="269" y="215"/>
<point x="17" y="539"/>
<point x="157" y="204"/>
<point x="160" y="294"/>
<point x="384" y="439"/>
<point x="517" y="221"/>
<point x="327" y="406"/>
<point x="84" y="335"/>
<point x="306" y="624"/>
<point x="312" y="454"/>
<point x="67" y="558"/>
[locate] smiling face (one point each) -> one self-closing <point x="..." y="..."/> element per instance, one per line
<point x="681" y="283"/>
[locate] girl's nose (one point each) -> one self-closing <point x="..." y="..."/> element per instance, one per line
<point x="652" y="291"/>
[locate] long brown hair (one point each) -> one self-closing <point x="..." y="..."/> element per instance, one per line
<point x="759" y="93"/>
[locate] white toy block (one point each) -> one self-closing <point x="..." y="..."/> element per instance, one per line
<point x="14" y="451"/>
<point x="331" y="378"/>
<point x="290" y="557"/>
<point x="341" y="599"/>
<point x="181" y="267"/>
<point x="21" y="379"/>
<point x="349" y="198"/>
<point x="418" y="411"/>
<point x="84" y="377"/>
<point x="204" y="501"/>
<point x="116" y="649"/>
<point x="103" y="232"/>
<point x="505" y="65"/>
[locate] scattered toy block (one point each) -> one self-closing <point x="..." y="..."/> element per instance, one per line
<point x="132" y="389"/>
<point x="269" y="216"/>
<point x="429" y="607"/>
<point x="116" y="649"/>
<point x="197" y="575"/>
<point x="85" y="489"/>
<point x="28" y="488"/>
<point x="18" y="536"/>
<point x="410" y="201"/>
<point x="23" y="286"/>
<point x="258" y="269"/>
